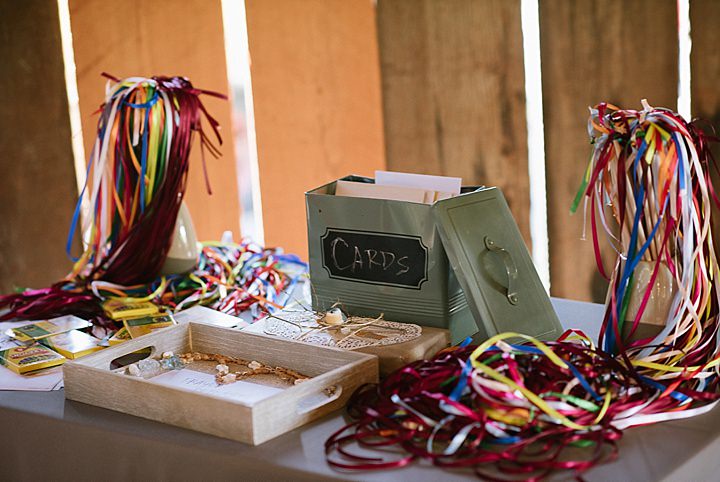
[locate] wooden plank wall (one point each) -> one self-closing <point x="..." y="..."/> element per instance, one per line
<point x="592" y="52"/>
<point x="432" y="86"/>
<point x="454" y="93"/>
<point x="705" y="61"/>
<point x="163" y="37"/>
<point x="316" y="93"/>
<point x="37" y="175"/>
<point x="705" y="72"/>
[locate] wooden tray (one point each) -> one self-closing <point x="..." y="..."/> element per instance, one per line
<point x="337" y="372"/>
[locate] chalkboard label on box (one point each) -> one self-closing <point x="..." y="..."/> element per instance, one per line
<point x="376" y="258"/>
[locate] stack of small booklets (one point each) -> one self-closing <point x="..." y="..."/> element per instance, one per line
<point x="48" y="343"/>
<point x="137" y="318"/>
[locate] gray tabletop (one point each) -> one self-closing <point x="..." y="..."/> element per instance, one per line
<point x="47" y="437"/>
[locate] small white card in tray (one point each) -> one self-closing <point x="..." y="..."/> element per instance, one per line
<point x="240" y="391"/>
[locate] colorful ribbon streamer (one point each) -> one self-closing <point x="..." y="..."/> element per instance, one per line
<point x="136" y="181"/>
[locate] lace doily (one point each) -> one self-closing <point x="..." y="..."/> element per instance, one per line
<point x="303" y="325"/>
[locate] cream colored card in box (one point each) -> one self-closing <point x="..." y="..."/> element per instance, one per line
<point x="373" y="191"/>
<point x="443" y="184"/>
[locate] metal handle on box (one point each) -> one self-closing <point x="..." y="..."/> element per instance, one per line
<point x="510" y="268"/>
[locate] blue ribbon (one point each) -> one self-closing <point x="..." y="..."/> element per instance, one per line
<point x="659" y="386"/>
<point x="143" y="162"/>
<point x="76" y="213"/>
<point x="462" y="382"/>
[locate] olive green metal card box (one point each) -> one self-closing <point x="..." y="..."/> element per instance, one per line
<point x="459" y="264"/>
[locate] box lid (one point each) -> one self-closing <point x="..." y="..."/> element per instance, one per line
<point x="493" y="266"/>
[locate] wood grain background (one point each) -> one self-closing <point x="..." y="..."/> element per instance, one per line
<point x="343" y="86"/>
<point x="454" y="93"/>
<point x="37" y="176"/>
<point x="316" y="92"/>
<point x="705" y="89"/>
<point x="163" y="37"/>
<point x="705" y="60"/>
<point x="594" y="52"/>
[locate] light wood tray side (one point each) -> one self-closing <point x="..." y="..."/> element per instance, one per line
<point x="90" y="380"/>
<point x="145" y="399"/>
<point x="174" y="338"/>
